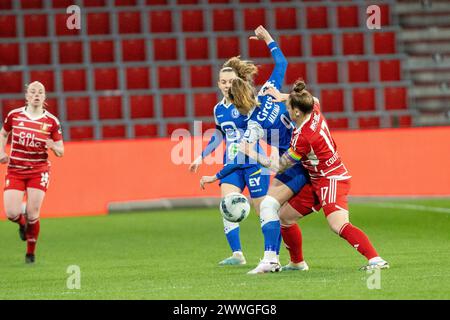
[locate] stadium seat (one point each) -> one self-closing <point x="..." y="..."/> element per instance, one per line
<point x="35" y="25"/>
<point x="6" y="5"/>
<point x="327" y="72"/>
<point x="156" y="2"/>
<point x="249" y="1"/>
<point x="94" y="3"/>
<point x="7" y="26"/>
<point x="145" y="130"/>
<point x="169" y="77"/>
<point x="47" y="78"/>
<point x="291" y="45"/>
<point x="385" y="14"/>
<point x="285" y="18"/>
<point x="227" y="47"/>
<point x="165" y="49"/>
<point x="363" y="99"/>
<point x="219" y="1"/>
<point x="10" y="104"/>
<point x="160" y="21"/>
<point x="332" y="100"/>
<point x="81" y="133"/>
<point x="295" y="71"/>
<point x="125" y="3"/>
<point x="336" y="124"/>
<point x="173" y="105"/>
<point x="400" y="121"/>
<point x="369" y="122"/>
<point x="316" y="17"/>
<point x="98" y="23"/>
<point x="141" y="107"/>
<point x="358" y="71"/>
<point x="257" y="49"/>
<point x="61" y="29"/>
<point x="74" y="80"/>
<point x="264" y="72"/>
<point x="395" y="98"/>
<point x="12" y="82"/>
<point x="353" y="43"/>
<point x="192" y="20"/>
<point x="204" y="104"/>
<point x="102" y="51"/>
<point x="38" y="53"/>
<point x="70" y="52"/>
<point x="223" y="20"/>
<point x="137" y="78"/>
<point x="321" y="44"/>
<point x="52" y="106"/>
<point x="384" y="43"/>
<point x="207" y="126"/>
<point x="171" y="127"/>
<point x="106" y="79"/>
<point x="31" y="4"/>
<point x="187" y="1"/>
<point x="253" y="17"/>
<point x="201" y="76"/>
<point x="389" y="70"/>
<point x="78" y="108"/>
<point x="196" y="48"/>
<point x="113" y="132"/>
<point x="9" y="54"/>
<point x="133" y="50"/>
<point x="109" y="107"/>
<point x="129" y="22"/>
<point x="347" y="17"/>
<point x="59" y="4"/>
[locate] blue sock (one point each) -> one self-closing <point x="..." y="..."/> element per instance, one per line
<point x="279" y="244"/>
<point x="272" y="232"/>
<point x="234" y="240"/>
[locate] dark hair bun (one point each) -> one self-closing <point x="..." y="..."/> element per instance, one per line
<point x="299" y="86"/>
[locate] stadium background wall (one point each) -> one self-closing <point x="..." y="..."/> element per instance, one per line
<point x="391" y="162"/>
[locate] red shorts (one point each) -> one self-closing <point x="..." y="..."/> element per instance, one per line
<point x="328" y="194"/>
<point x="39" y="180"/>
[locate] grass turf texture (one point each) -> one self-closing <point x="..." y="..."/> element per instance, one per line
<point x="174" y="255"/>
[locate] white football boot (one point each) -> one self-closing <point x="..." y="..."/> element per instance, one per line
<point x="236" y="259"/>
<point x="376" y="263"/>
<point x="291" y="266"/>
<point x="266" y="266"/>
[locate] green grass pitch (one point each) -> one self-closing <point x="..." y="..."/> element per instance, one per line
<point x="174" y="255"/>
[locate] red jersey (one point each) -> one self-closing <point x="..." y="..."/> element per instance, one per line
<point x="313" y="145"/>
<point x="28" y="136"/>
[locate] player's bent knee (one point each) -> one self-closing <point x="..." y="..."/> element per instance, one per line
<point x="269" y="210"/>
<point x="337" y="220"/>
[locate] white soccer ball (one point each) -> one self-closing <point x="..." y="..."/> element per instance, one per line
<point x="235" y="207"/>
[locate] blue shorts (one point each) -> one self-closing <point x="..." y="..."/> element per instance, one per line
<point x="295" y="177"/>
<point x="255" y="178"/>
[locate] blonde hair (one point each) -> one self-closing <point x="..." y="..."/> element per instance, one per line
<point x="242" y="95"/>
<point x="244" y="69"/>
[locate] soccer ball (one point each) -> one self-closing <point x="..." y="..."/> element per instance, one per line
<point x="235" y="207"/>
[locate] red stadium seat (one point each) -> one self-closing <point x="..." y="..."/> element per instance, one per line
<point x="296" y="71"/>
<point x="81" y="133"/>
<point x="47" y="78"/>
<point x="327" y="72"/>
<point x="130" y="22"/>
<point x="165" y="49"/>
<point x="201" y="76"/>
<point x="316" y="17"/>
<point x="9" y="54"/>
<point x="348" y="17"/>
<point x="358" y="71"/>
<point x="249" y="1"/>
<point x="223" y="20"/>
<point x="169" y="77"/>
<point x="137" y="78"/>
<point x="102" y="51"/>
<point x="141" y="107"/>
<point x="10" y="104"/>
<point x="174" y="105"/>
<point x="219" y="1"/>
<point x="6" y="5"/>
<point x="109" y="107"/>
<point x="156" y="2"/>
<point x="62" y="3"/>
<point x="187" y="1"/>
<point x="98" y="23"/>
<point x="160" y="21"/>
<point x="204" y="104"/>
<point x="78" y="108"/>
<point x="106" y="79"/>
<point x="171" y="127"/>
<point x="74" y="80"/>
<point x="192" y="20"/>
<point x="401" y="121"/>
<point x="335" y="124"/>
<point x="384" y="14"/>
<point x="257" y="49"/>
<point x="291" y="45"/>
<point x="353" y="43"/>
<point x="196" y="48"/>
<point x="395" y="98"/>
<point x="286" y="18"/>
<point x="12" y="82"/>
<point x="369" y="122"/>
<point x="7" y="26"/>
<point x="113" y="132"/>
<point x="363" y="99"/>
<point x="31" y="4"/>
<point x="322" y="45"/>
<point x="133" y="50"/>
<point x="384" y="43"/>
<point x="125" y="3"/>
<point x="332" y="100"/>
<point x="70" y="52"/>
<point x="145" y="130"/>
<point x="38" y="53"/>
<point x="61" y="25"/>
<point x="253" y="17"/>
<point x="52" y="106"/>
<point x="207" y="126"/>
<point x="35" y="25"/>
<point x="389" y="70"/>
<point x="94" y="3"/>
<point x="264" y="72"/>
<point x="227" y="47"/>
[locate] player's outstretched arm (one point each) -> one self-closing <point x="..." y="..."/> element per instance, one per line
<point x="285" y="161"/>
<point x="279" y="97"/>
<point x="213" y="143"/>
<point x="3" y="139"/>
<point x="57" y="147"/>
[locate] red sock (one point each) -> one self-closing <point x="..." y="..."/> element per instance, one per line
<point x="359" y="240"/>
<point x="32" y="235"/>
<point x="292" y="237"/>
<point x="20" y="219"/>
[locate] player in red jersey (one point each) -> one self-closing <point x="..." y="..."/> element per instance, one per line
<point x="33" y="131"/>
<point x="313" y="145"/>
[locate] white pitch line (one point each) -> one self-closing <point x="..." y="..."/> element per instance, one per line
<point x="410" y="206"/>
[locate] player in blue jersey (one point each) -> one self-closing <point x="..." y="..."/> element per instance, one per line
<point x="230" y="126"/>
<point x="267" y="120"/>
